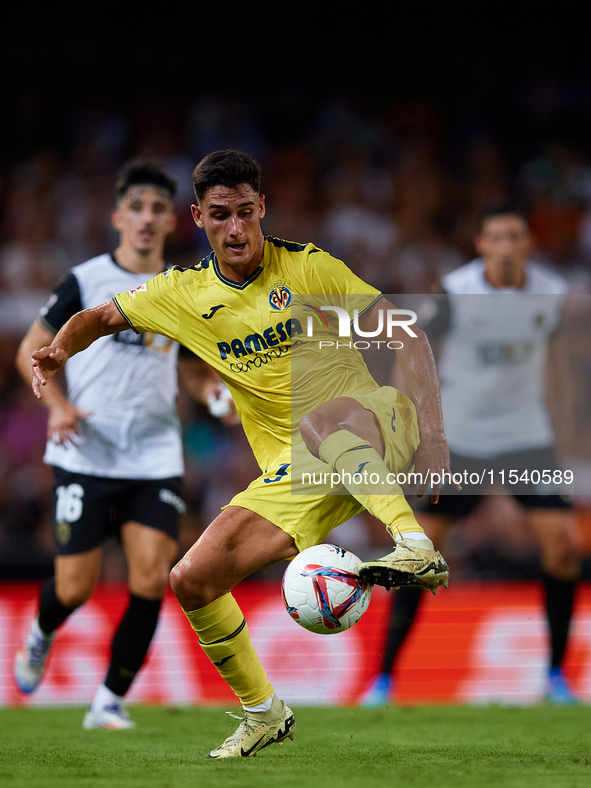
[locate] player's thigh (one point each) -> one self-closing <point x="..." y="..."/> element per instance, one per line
<point x="236" y="544"/>
<point x="76" y="576"/>
<point x="147" y="513"/>
<point x="155" y="503"/>
<point x="299" y="495"/>
<point x="82" y="507"/>
<point x="395" y="416"/>
<point x="341" y="413"/>
<point x="150" y="554"/>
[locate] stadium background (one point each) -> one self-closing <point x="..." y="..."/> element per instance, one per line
<point x="381" y="136"/>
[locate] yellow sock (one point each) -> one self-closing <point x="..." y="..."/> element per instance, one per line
<point x="364" y="474"/>
<point x="223" y="635"/>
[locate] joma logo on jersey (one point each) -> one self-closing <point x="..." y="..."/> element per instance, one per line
<point x="271" y="337"/>
<point x="280" y="297"/>
<point x="137" y="290"/>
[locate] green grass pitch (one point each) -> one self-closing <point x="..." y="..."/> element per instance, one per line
<point x="436" y="747"/>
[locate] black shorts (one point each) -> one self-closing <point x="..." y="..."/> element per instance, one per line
<point x="89" y="509"/>
<point x="522" y="463"/>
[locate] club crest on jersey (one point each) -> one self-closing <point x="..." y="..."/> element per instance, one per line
<point x="280" y="297"/>
<point x="136" y="290"/>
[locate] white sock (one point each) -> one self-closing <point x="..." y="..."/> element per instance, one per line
<point x="416" y="535"/>
<point x="261" y="706"/>
<point x="104" y="697"/>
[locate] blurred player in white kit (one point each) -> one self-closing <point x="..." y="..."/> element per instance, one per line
<point x="114" y="443"/>
<point x="492" y="368"/>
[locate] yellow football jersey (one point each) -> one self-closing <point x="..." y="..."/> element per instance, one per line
<point x="246" y="331"/>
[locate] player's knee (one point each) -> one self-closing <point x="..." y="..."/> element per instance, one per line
<point x="151" y="583"/>
<point x="176" y="580"/>
<point x="73" y="596"/>
<point x="565" y="571"/>
<point x="187" y="588"/>
<point x="563" y="561"/>
<point x="314" y="428"/>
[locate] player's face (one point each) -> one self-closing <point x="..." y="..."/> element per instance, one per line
<point x="143" y="218"/>
<point x="231" y="219"/>
<point x="504" y="243"/>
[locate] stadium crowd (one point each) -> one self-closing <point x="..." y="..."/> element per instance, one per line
<point x="392" y="191"/>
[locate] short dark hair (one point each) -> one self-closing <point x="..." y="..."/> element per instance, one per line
<point x="506" y="208"/>
<point x="227" y="168"/>
<point x="143" y="172"/>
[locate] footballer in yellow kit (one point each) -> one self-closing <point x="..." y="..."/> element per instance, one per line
<point x="239" y="310"/>
<point x="246" y="332"/>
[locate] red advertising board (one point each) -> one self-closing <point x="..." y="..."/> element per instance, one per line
<point x="473" y="643"/>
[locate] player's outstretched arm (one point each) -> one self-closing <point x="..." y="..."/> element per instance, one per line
<point x="418" y="367"/>
<point x="560" y="395"/>
<point x="81" y="330"/>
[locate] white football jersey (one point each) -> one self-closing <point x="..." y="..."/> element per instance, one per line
<point x="126" y="381"/>
<point x="493" y="360"/>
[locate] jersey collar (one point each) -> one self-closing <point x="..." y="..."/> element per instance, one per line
<point x="490" y="289"/>
<point x="133" y="273"/>
<point x="236" y="285"/>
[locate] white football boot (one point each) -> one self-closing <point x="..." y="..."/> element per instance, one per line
<point x="30" y="661"/>
<point x="112" y="717"/>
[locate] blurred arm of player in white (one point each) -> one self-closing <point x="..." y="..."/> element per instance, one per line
<point x="63" y="421"/>
<point x="203" y="383"/>
<point x="560" y="397"/>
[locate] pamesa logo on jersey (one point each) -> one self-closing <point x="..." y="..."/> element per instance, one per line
<point x="269" y="339"/>
<point x="279" y="297"/>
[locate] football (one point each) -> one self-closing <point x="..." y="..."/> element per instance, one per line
<point x="322" y="589"/>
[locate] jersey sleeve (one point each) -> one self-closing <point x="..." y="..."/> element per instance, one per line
<point x="187" y="354"/>
<point x="326" y="274"/>
<point x="64" y="302"/>
<point x="152" y="306"/>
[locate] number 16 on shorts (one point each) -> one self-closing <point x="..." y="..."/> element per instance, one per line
<point x="69" y="503"/>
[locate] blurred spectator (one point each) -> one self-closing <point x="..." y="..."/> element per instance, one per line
<point x="26" y="541"/>
<point x="556" y="186"/>
<point x="358" y="225"/>
<point x="423" y="261"/>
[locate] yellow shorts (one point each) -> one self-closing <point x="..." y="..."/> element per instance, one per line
<point x="279" y="494"/>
